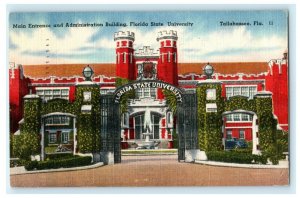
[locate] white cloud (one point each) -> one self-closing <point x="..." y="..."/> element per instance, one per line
<point x="236" y="44"/>
<point x="27" y="45"/>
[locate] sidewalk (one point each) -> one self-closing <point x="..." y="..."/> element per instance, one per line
<point x="21" y="169"/>
<point x="282" y="164"/>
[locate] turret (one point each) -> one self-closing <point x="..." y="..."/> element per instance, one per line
<point x="277" y="83"/>
<point x="125" y="55"/>
<point x="167" y="65"/>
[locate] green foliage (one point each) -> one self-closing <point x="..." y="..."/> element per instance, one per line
<point x="26" y="144"/>
<point x="125" y="97"/>
<point x="59" y="163"/>
<point x="170" y="100"/>
<point x="210" y="124"/>
<point x="55" y="156"/>
<point x="88" y="124"/>
<point x="175" y="139"/>
<point x="32" y="116"/>
<point x="272" y="143"/>
<point x="275" y="150"/>
<point x="268" y="139"/>
<point x="240" y="102"/>
<point x="57" y="105"/>
<point x="235" y="157"/>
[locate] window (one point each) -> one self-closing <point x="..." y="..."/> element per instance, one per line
<point x="65" y="137"/>
<point x="229" y="92"/>
<point x="236" y="91"/>
<point x="245" y="117"/>
<point x="57" y="120"/>
<point x="248" y="91"/>
<point x="52" y="137"/>
<point x="126" y="119"/>
<point x="236" y="117"/>
<point x="245" y="91"/>
<point x="146" y="93"/>
<point x="239" y="117"/>
<point x="252" y="92"/>
<point x="229" y="117"/>
<point x="242" y="134"/>
<point x="169" y="57"/>
<point x="229" y="134"/>
<point x="54" y="92"/>
<point x="124" y="57"/>
<point x="139" y="126"/>
<point x="174" y="57"/>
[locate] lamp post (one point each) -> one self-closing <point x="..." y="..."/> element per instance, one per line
<point x="88" y="73"/>
<point x="208" y="71"/>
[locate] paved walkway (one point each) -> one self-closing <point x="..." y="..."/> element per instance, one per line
<point x="161" y="170"/>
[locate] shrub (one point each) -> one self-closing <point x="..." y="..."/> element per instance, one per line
<point x="26" y="144"/>
<point x="235" y="157"/>
<point x="31" y="165"/>
<point x="58" y="156"/>
<point x="59" y="163"/>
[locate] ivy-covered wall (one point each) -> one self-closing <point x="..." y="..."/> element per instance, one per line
<point x="210" y="124"/>
<point x="87" y="123"/>
<point x="28" y="142"/>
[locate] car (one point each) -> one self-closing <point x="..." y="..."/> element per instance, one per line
<point x="235" y="143"/>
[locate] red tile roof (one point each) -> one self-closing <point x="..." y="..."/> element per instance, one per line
<point x="225" y="68"/>
<point x="108" y="69"/>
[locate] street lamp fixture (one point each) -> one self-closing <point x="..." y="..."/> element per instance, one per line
<point x="88" y="73"/>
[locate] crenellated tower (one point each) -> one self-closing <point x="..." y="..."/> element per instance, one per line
<point x="18" y="88"/>
<point x="167" y="64"/>
<point x="277" y="83"/>
<point x="125" y="55"/>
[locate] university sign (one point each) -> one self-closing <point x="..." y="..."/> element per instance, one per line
<point x="147" y="84"/>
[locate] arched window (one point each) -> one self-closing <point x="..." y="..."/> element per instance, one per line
<point x="124" y="57"/>
<point x="139" y="126"/>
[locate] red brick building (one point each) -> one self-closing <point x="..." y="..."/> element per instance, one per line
<point x="237" y="78"/>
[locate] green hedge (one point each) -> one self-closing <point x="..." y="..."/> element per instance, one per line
<point x="58" y="156"/>
<point x="59" y="163"/>
<point x="236" y="157"/>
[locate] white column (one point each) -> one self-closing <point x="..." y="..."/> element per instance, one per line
<point x="42" y="140"/>
<point x="255" y="140"/>
<point x="74" y="135"/>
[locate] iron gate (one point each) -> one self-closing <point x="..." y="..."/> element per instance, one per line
<point x="187" y="124"/>
<point x="110" y="129"/>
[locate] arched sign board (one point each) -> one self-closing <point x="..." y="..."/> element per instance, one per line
<point x="147" y="84"/>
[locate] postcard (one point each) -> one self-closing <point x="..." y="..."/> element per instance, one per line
<point x="162" y="98"/>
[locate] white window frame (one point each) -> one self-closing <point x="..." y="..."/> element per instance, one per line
<point x="238" y="117"/>
<point x="241" y="90"/>
<point x="241" y="130"/>
<point x="47" y="93"/>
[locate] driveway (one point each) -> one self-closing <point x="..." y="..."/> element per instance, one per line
<point x="155" y="170"/>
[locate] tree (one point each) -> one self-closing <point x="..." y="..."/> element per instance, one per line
<point x="25" y="145"/>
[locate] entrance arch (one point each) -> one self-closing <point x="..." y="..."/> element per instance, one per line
<point x="186" y="123"/>
<point x="45" y="121"/>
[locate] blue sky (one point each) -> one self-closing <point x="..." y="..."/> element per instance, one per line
<point x="205" y="41"/>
